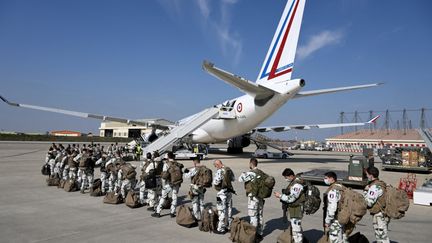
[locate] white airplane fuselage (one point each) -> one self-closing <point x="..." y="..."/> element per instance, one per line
<point x="248" y="116"/>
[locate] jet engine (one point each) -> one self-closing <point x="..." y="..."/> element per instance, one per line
<point x="236" y="144"/>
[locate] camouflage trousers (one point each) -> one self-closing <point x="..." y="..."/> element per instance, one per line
<point x="336" y="234"/>
<point x="51" y="163"/>
<point x="72" y="173"/>
<point x="126" y="185"/>
<point x="86" y="180"/>
<point x="65" y="172"/>
<point x="104" y="180"/>
<point x="196" y="195"/>
<point x="224" y="208"/>
<point x="255" y="213"/>
<point x="380" y="225"/>
<point x="112" y="182"/>
<point x="297" y="232"/>
<point x="167" y="189"/>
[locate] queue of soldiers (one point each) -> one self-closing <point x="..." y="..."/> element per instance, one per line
<point x="161" y="178"/>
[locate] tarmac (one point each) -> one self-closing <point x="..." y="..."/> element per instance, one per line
<point x="30" y="211"/>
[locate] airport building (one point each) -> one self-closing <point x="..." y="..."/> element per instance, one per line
<point x="356" y="141"/>
<point x="123" y="130"/>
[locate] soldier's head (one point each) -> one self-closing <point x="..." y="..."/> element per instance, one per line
<point x="155" y="154"/>
<point x="148" y="155"/>
<point x="372" y="173"/>
<point x="170" y="155"/>
<point x="218" y="164"/>
<point x="288" y="174"/>
<point x="330" y="178"/>
<point x="196" y="161"/>
<point x="253" y="163"/>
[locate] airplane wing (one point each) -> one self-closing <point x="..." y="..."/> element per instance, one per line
<point x="308" y="127"/>
<point x="302" y="94"/>
<point x="256" y="90"/>
<point x="150" y="123"/>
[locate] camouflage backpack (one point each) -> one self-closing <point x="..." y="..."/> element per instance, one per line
<point x="312" y="198"/>
<point x="228" y="177"/>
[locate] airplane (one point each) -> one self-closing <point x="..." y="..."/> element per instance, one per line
<point x="272" y="89"/>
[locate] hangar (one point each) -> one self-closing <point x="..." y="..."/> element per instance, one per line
<point x="122" y="130"/>
<point x="356" y="141"/>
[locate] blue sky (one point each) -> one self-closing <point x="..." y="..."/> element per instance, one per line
<point x="142" y="59"/>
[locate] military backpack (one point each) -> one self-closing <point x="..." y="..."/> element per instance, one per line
<point x="185" y="217"/>
<point x="209" y="220"/>
<point x="312" y="198"/>
<point x="397" y="202"/>
<point x="128" y="171"/>
<point x="175" y="174"/>
<point x="228" y="177"/>
<point x="203" y="177"/>
<point x="351" y="206"/>
<point x="262" y="186"/>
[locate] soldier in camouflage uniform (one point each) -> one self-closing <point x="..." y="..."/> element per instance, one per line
<point x="294" y="196"/>
<point x="222" y="181"/>
<point x="102" y="161"/>
<point x="331" y="199"/>
<point x="196" y="192"/>
<point x="375" y="199"/>
<point x="255" y="204"/>
<point x="168" y="187"/>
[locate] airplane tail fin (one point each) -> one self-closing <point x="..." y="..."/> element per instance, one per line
<point x="279" y="61"/>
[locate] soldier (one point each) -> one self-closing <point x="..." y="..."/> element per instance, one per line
<point x="62" y="163"/>
<point x="255" y="204"/>
<point x="152" y="193"/>
<point x="50" y="159"/>
<point x="171" y="182"/>
<point x="146" y="166"/>
<point x="222" y="181"/>
<point x="331" y="199"/>
<point x="294" y="197"/>
<point x="112" y="170"/>
<point x="86" y="166"/>
<point x="73" y="166"/>
<point x="196" y="192"/>
<point x="126" y="178"/>
<point x="102" y="161"/>
<point x="375" y="199"/>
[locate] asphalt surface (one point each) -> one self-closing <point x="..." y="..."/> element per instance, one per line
<point x="32" y="212"/>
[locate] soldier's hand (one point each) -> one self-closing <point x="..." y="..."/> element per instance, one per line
<point x="277" y="194"/>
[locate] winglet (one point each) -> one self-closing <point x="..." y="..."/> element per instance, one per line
<point x="7" y="102"/>
<point x="373" y="120"/>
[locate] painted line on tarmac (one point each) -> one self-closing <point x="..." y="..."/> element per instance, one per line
<point x="16" y="155"/>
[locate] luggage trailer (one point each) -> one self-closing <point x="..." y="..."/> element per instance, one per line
<point x="354" y="177"/>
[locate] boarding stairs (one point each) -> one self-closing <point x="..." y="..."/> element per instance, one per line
<point x="259" y="138"/>
<point x="427" y="137"/>
<point x="179" y="132"/>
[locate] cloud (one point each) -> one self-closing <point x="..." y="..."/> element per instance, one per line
<point x="229" y="41"/>
<point x="319" y="41"/>
<point x="204" y="8"/>
<point x="216" y="16"/>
